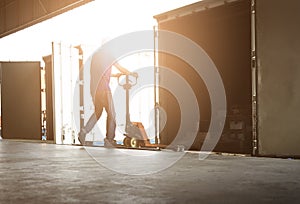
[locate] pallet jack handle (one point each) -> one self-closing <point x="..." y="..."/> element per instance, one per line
<point x="128" y="82"/>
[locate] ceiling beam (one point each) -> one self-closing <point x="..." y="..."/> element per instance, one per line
<point x="16" y="15"/>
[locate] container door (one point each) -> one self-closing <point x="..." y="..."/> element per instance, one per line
<point x="278" y="91"/>
<point x="64" y="76"/>
<point x="21" y="100"/>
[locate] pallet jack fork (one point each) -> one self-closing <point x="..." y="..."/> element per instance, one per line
<point x="135" y="134"/>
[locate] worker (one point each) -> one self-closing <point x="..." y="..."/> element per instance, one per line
<point x="102" y="97"/>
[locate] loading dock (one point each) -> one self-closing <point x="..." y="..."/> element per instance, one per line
<point x="38" y="172"/>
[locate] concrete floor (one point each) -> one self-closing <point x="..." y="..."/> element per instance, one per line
<point x="47" y="173"/>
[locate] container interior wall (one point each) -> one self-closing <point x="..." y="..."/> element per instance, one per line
<point x="21" y="100"/>
<point x="278" y="49"/>
<point x="49" y="97"/>
<point x="224" y="33"/>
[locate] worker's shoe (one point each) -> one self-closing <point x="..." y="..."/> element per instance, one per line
<point x="110" y="143"/>
<point x="81" y="136"/>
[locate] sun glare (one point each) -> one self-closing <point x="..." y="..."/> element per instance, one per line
<point x="88" y="24"/>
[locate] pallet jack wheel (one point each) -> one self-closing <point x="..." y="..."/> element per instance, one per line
<point x="141" y="143"/>
<point x="134" y="143"/>
<point x="127" y="142"/>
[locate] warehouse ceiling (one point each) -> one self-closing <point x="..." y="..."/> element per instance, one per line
<point x="16" y="15"/>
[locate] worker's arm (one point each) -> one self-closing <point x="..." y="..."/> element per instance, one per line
<point x="122" y="69"/>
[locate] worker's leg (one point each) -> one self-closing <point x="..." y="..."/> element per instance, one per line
<point x="98" y="102"/>
<point x="111" y="117"/>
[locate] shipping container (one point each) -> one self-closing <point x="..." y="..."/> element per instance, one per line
<point x="254" y="45"/>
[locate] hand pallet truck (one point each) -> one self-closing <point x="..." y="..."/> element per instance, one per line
<point x="135" y="134"/>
